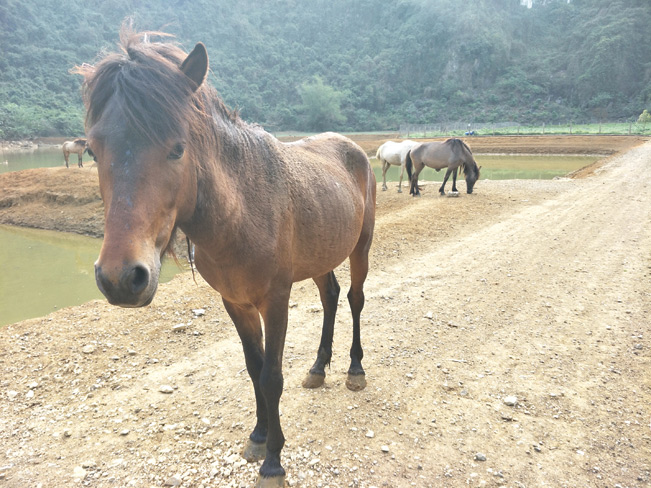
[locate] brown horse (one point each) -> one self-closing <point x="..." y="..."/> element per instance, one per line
<point x="450" y="154"/>
<point x="262" y="214"/>
<point x="78" y="147"/>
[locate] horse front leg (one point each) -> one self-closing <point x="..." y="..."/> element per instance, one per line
<point x="329" y="293"/>
<point x="454" y="180"/>
<point x="80" y="163"/>
<point x="274" y="310"/>
<point x="247" y="323"/>
<point x="445" y="180"/>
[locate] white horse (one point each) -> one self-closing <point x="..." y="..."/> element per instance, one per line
<point x="394" y="153"/>
<point x="78" y="147"/>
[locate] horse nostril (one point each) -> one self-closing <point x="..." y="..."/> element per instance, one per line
<point x="138" y="279"/>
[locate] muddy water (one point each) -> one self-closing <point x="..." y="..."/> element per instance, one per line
<point x="47" y="157"/>
<point x="504" y="167"/>
<point x="495" y="167"/>
<point x="42" y="271"/>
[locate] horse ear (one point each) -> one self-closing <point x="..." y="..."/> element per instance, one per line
<point x="195" y="65"/>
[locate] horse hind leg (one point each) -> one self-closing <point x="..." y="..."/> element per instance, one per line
<point x="65" y="156"/>
<point x="414" y="189"/>
<point x="385" y="168"/>
<point x="356" y="379"/>
<point x="402" y="172"/>
<point x="329" y="293"/>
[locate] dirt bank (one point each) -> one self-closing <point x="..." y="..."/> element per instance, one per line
<point x="68" y="199"/>
<point x="506" y="344"/>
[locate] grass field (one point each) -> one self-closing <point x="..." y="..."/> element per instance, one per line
<point x="623" y="128"/>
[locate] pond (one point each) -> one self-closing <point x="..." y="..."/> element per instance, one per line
<point x="42" y="157"/>
<point x="494" y="167"/>
<point x="43" y="271"/>
<point x="504" y="167"/>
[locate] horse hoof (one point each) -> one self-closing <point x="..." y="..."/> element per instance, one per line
<point x="399" y="190"/>
<point x="384" y="188"/>
<point x="356" y="382"/>
<point x="313" y="380"/>
<point x="274" y="482"/>
<point x="254" y="451"/>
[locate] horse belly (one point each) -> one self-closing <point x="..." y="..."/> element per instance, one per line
<point x="394" y="159"/>
<point x="323" y="240"/>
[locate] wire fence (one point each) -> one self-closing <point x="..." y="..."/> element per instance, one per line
<point x="461" y="128"/>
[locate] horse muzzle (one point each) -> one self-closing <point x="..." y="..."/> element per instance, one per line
<point x="132" y="285"/>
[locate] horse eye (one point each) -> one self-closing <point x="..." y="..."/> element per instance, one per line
<point x="177" y="152"/>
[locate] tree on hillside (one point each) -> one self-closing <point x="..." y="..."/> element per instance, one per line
<point x="644" y="118"/>
<point x="321" y="105"/>
<point x="380" y="63"/>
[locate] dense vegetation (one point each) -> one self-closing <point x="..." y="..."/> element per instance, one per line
<point x="344" y="65"/>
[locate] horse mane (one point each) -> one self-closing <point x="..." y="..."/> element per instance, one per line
<point x="459" y="145"/>
<point x="145" y="83"/>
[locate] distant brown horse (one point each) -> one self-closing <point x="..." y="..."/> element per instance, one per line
<point x="450" y="154"/>
<point x="262" y="214"/>
<point x="78" y="147"/>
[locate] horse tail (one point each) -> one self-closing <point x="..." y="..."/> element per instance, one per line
<point x="413" y="186"/>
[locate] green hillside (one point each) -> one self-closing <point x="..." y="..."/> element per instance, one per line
<point x="344" y="65"/>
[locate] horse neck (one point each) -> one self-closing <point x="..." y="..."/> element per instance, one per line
<point x="225" y="174"/>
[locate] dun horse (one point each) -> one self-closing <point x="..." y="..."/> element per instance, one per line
<point x="78" y="147"/>
<point x="450" y="154"/>
<point x="394" y="153"/>
<point x="261" y="213"/>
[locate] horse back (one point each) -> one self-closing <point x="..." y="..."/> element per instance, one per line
<point x="329" y="154"/>
<point x="333" y="199"/>
<point x="441" y="154"/>
<point x="395" y="152"/>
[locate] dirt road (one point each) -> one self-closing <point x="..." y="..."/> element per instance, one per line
<point x="506" y="338"/>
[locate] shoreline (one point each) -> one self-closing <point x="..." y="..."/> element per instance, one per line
<point x="31" y="144"/>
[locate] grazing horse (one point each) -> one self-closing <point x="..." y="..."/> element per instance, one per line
<point x="394" y="153"/>
<point x="78" y="147"/>
<point x="262" y="214"/>
<point x="450" y="154"/>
